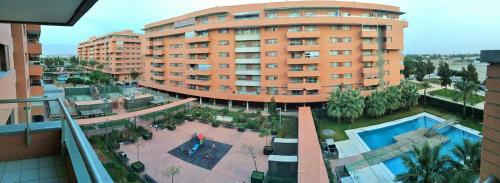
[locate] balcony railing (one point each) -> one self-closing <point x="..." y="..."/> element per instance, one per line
<point x="85" y="163"/>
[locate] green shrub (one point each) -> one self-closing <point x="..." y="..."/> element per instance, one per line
<point x="251" y="124"/>
<point x="132" y="177"/>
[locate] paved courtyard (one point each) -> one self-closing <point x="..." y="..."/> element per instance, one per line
<point x="235" y="166"/>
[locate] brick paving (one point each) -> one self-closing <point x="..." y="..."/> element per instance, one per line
<point x="235" y="166"/>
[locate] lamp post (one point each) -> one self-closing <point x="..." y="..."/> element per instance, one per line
<point x="279" y="109"/>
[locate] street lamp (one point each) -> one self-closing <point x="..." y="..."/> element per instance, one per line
<point x="279" y="109"/>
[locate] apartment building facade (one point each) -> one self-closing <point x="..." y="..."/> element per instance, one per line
<point x="21" y="72"/>
<point x="119" y="52"/>
<point x="296" y="52"/>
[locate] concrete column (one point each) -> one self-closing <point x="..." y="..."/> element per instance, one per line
<point x="323" y="107"/>
<point x="214" y="102"/>
<point x="230" y="104"/>
<point x="248" y="106"/>
<point x="284" y="107"/>
<point x="177" y="96"/>
<point x="201" y="100"/>
<point x="266" y="107"/>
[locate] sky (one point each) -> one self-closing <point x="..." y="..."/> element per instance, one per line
<point x="434" y="26"/>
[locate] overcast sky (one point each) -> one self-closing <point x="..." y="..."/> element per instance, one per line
<point x="435" y="26"/>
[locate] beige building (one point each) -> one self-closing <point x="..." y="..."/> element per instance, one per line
<point x="119" y="52"/>
<point x="296" y="51"/>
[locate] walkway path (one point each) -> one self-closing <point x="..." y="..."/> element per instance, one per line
<point x="128" y="115"/>
<point x="438" y="87"/>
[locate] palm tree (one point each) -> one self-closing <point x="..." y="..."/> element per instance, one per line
<point x="461" y="176"/>
<point x="426" y="85"/>
<point x="334" y="104"/>
<point x="426" y="167"/>
<point x="409" y="93"/>
<point x="375" y="104"/>
<point x="466" y="90"/>
<point x="393" y="97"/>
<point x="352" y="104"/>
<point x="92" y="63"/>
<point x="469" y="155"/>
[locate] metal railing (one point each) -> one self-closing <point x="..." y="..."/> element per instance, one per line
<point x="86" y="165"/>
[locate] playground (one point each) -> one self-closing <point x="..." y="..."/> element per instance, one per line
<point x="201" y="152"/>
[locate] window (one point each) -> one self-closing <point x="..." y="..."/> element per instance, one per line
<point x="334" y="64"/>
<point x="272" y="77"/>
<point x="294" y="14"/>
<point x="388" y="27"/>
<point x="311" y="54"/>
<point x="272" y="90"/>
<point x="175" y="46"/>
<point x="334" y="39"/>
<point x="334" y="13"/>
<point x="204" y="20"/>
<point x="346" y="27"/>
<point x="334" y="76"/>
<point x="271" y="53"/>
<point x="347" y="52"/>
<point x="386" y="72"/>
<point x="271" y="15"/>
<point x="223" y="87"/>
<point x="312" y="67"/>
<point x="309" y="13"/>
<point x="223" y="42"/>
<point x="271" y="29"/>
<point x="221" y="18"/>
<point x="175" y="55"/>
<point x="295" y="29"/>
<point x="311" y="80"/>
<point x="386" y="62"/>
<point x="4" y="58"/>
<point x="336" y="27"/>
<point x="334" y="52"/>
<point x="271" y="66"/>
<point x="388" y="39"/>
<point x="223" y="31"/>
<point x="223" y="66"/>
<point x="175" y="64"/>
<point x="347" y="64"/>
<point x="347" y="75"/>
<point x="247" y="31"/>
<point x="271" y="41"/>
<point x="224" y="77"/>
<point x="223" y="54"/>
<point x="310" y="28"/>
<point x="346" y="39"/>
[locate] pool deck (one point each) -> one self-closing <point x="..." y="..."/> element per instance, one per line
<point x="355" y="149"/>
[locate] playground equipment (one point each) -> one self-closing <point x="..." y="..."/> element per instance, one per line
<point x="198" y="140"/>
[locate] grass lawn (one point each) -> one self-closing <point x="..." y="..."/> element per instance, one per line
<point x="448" y="93"/>
<point x="340" y="127"/>
<point x="419" y="85"/>
<point x="433" y="80"/>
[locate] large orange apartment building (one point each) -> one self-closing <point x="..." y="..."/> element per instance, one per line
<point x="119" y="52"/>
<point x="20" y="72"/>
<point x="295" y="51"/>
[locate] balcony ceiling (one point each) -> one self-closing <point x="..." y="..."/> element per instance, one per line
<point x="44" y="12"/>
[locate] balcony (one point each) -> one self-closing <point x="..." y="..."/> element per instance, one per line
<point x="198" y="50"/>
<point x="157" y="69"/>
<point x="35" y="70"/>
<point x="198" y="39"/>
<point x="247" y="61"/>
<point x="247" y="49"/>
<point x="303" y="60"/>
<point x="157" y="43"/>
<point x="158" y="77"/>
<point x="302" y="86"/>
<point x="60" y="141"/>
<point x="369" y="46"/>
<point x="302" y="47"/>
<point x="302" y="73"/>
<point x="303" y="34"/>
<point x="36" y="91"/>
<point x="198" y="72"/>
<point x="198" y="82"/>
<point x="393" y="46"/>
<point x="247" y="37"/>
<point x="33" y="29"/>
<point x="248" y="72"/>
<point x="370" y="70"/>
<point x="370" y="34"/>
<point x="158" y="52"/>
<point x="370" y="58"/>
<point x="247" y="83"/>
<point x="371" y="81"/>
<point x="34" y="48"/>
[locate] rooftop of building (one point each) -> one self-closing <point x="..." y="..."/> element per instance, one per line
<point x="126" y="32"/>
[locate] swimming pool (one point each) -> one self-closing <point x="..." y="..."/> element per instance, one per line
<point x="380" y="137"/>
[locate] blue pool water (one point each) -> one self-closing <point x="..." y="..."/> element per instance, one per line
<point x="381" y="137"/>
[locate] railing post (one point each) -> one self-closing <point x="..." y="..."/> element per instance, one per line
<point x="63" y="133"/>
<point x="28" y="129"/>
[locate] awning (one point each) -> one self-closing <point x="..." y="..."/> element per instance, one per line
<point x="44" y="12"/>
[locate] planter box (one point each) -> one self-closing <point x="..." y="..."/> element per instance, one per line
<point x="257" y="177"/>
<point x="241" y="129"/>
<point x="274" y="132"/>
<point x="147" y="136"/>
<point x="215" y="125"/>
<point x="229" y="125"/>
<point x="171" y="127"/>
<point x="137" y="167"/>
<point x="268" y="150"/>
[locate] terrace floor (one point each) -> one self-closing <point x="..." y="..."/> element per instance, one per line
<point x="235" y="166"/>
<point x="46" y="169"/>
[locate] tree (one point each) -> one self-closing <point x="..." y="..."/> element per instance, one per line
<point x="92" y="63"/>
<point x="393" y="97"/>
<point x="252" y="154"/>
<point x="171" y="172"/>
<point x="426" y="85"/>
<point x="264" y="132"/>
<point x="409" y="66"/>
<point x="426" y="167"/>
<point x="375" y="104"/>
<point x="466" y="90"/>
<point x="470" y="74"/>
<point x="445" y="74"/>
<point x="409" y="94"/>
<point x="84" y="63"/>
<point x="100" y="66"/>
<point x="429" y="66"/>
<point x="470" y="155"/>
<point x="273" y="112"/>
<point x="138" y="145"/>
<point x="421" y="70"/>
<point x="345" y="104"/>
<point x="134" y="74"/>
